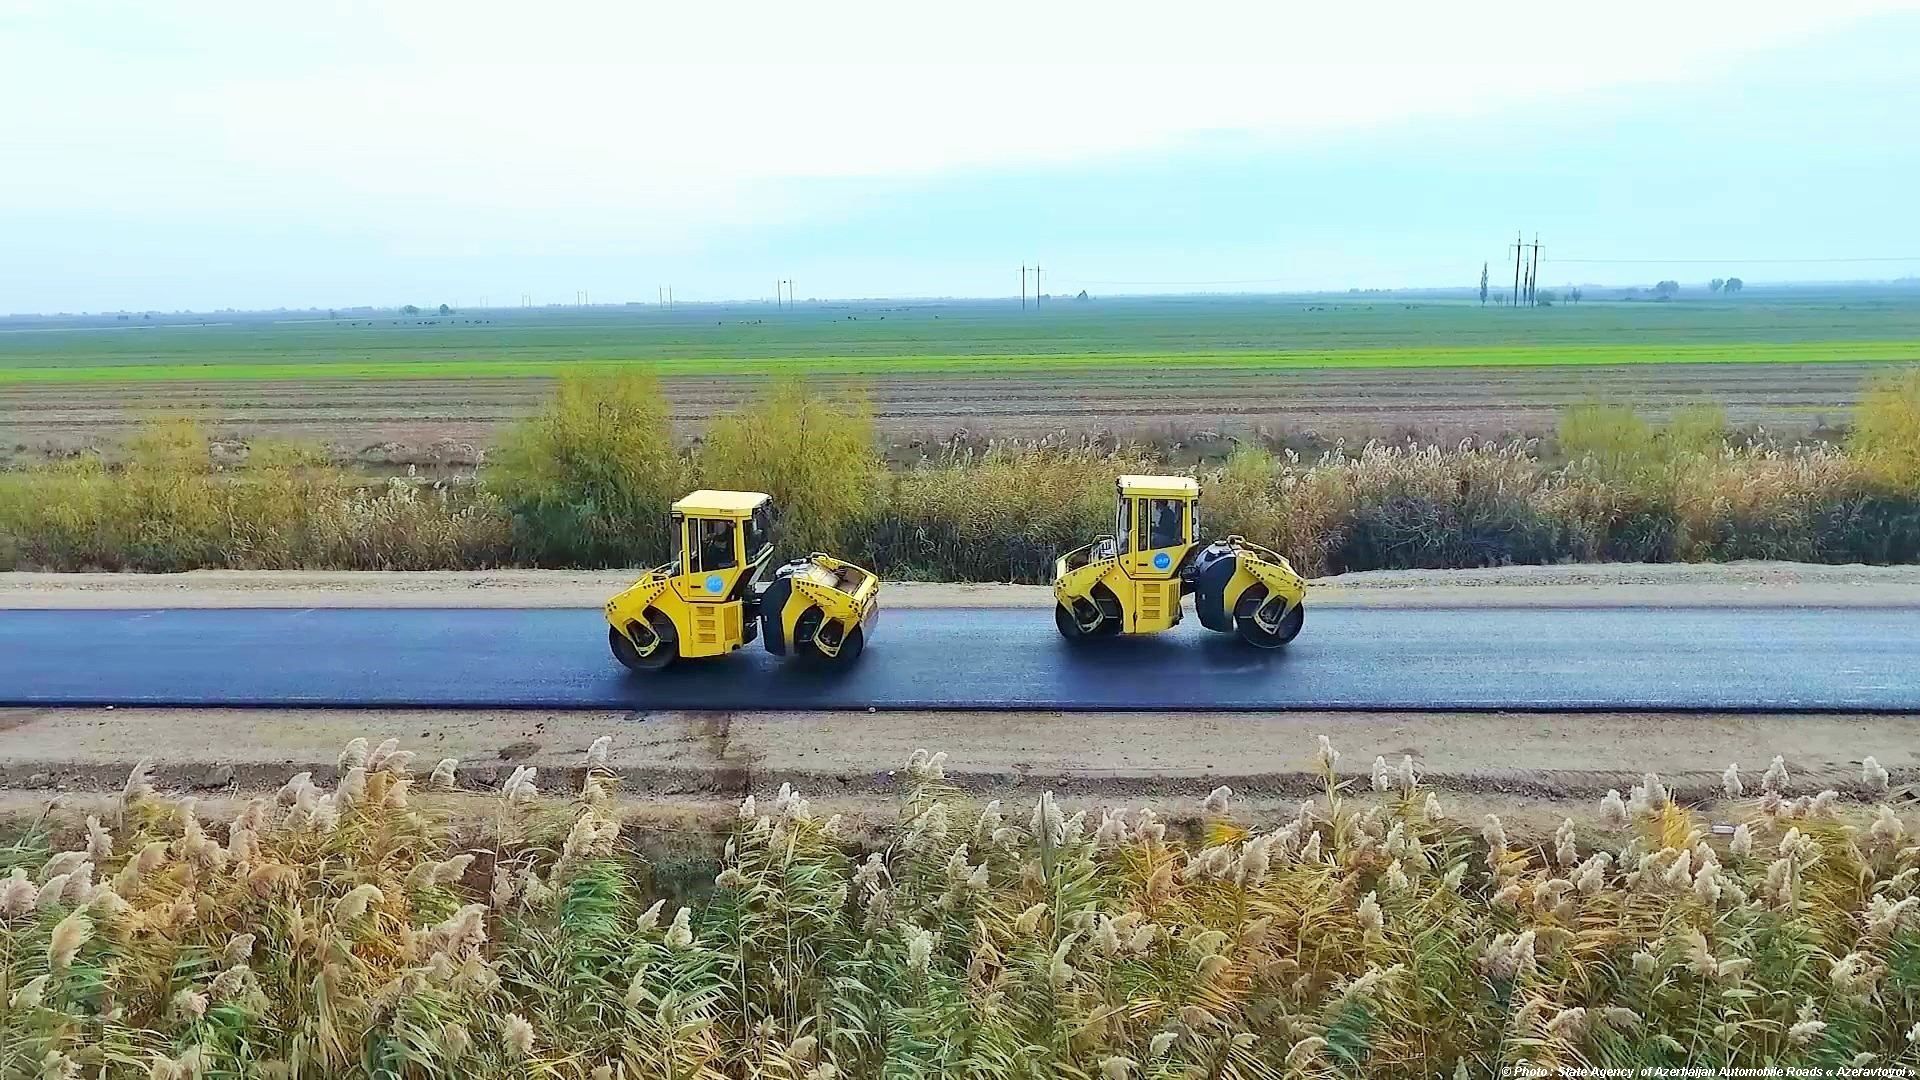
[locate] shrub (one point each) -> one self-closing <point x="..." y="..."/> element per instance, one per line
<point x="814" y="456"/>
<point x="1886" y="430"/>
<point x="1247" y="496"/>
<point x="1611" y="441"/>
<point x="588" y="480"/>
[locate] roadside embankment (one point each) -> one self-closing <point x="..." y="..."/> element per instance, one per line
<point x="1545" y="765"/>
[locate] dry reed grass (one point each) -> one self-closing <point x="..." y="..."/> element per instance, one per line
<point x="342" y="932"/>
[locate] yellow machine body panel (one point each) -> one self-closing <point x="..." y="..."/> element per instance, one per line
<point x="713" y="597"/>
<point x="1133" y="581"/>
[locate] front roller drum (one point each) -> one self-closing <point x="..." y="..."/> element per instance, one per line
<point x="647" y="646"/>
<point x="828" y="642"/>
<point x="1266" y="622"/>
<point x="1085" y="619"/>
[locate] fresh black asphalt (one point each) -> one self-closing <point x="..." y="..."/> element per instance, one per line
<point x="1477" y="658"/>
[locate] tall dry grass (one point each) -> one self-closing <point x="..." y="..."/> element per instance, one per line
<point x="345" y="932"/>
<point x="169" y="507"/>
<point x="587" y="482"/>
<point x="1001" y="514"/>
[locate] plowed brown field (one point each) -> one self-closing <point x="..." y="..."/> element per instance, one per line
<point x="448" y="421"/>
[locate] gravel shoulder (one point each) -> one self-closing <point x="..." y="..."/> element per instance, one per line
<point x="1743" y="584"/>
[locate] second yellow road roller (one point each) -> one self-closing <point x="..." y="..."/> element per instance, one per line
<point x="1133" y="582"/>
<point x="716" y="595"/>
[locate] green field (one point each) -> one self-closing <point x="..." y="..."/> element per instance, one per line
<point x="959" y="337"/>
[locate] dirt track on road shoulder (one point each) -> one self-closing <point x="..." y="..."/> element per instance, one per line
<point x="1745" y="584"/>
<point x="1543" y="765"/>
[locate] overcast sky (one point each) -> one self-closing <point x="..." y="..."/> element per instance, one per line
<point x="202" y="155"/>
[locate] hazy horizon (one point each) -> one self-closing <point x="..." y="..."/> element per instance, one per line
<point x="226" y="157"/>
<point x="1754" y="291"/>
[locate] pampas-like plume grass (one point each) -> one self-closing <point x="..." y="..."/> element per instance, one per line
<point x="66" y="942"/>
<point x="1366" y="935"/>
<point x="355" y="903"/>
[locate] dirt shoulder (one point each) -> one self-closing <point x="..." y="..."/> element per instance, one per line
<point x="1745" y="584"/>
<point x="1128" y="754"/>
<point x="682" y="771"/>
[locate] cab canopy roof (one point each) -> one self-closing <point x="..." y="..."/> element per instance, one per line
<point x="1179" y="487"/>
<point x="707" y="503"/>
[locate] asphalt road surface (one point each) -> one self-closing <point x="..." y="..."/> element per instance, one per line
<point x="1595" y="659"/>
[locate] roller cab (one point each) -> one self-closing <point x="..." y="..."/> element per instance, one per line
<point x="1133" y="581"/>
<point x="711" y="598"/>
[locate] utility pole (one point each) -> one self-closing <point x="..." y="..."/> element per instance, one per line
<point x="1036" y="286"/>
<point x="1533" y="278"/>
<point x="1513" y="298"/>
<point x="1023" y="287"/>
<point x="669" y="298"/>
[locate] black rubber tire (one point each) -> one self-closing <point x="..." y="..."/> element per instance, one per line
<point x="1254" y="634"/>
<point x="667" y="652"/>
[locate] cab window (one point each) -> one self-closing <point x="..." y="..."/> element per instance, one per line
<point x="1164" y="526"/>
<point x="759" y="530"/>
<point x="1123" y="525"/>
<point x="712" y="544"/>
<point x="676" y="540"/>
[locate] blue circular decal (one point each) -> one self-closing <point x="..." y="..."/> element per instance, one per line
<point x="713" y="583"/>
<point x="1162" y="560"/>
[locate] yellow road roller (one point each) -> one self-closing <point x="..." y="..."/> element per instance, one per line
<point x="1133" y="581"/>
<point x="716" y="594"/>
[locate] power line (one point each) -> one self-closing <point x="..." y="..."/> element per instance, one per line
<point x="1237" y="281"/>
<point x="1835" y="259"/>
<point x="1543" y="259"/>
